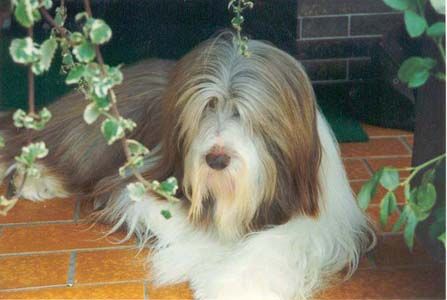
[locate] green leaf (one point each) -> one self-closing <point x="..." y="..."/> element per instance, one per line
<point x="438" y="6"/>
<point x="47" y="4"/>
<point x="388" y="205"/>
<point x="60" y="16"/>
<point x="29" y="155"/>
<point x="414" y="23"/>
<point x="368" y="190"/>
<point x="136" y="148"/>
<point x="47" y="51"/>
<point x="416" y="70"/>
<point x="438" y="226"/>
<point x="418" y="212"/>
<point x="77" y="38"/>
<point x="102" y="103"/>
<point x="390" y="178"/>
<point x="407" y="191"/>
<point x="426" y="196"/>
<point x="397" y="4"/>
<point x="80" y="16"/>
<point x="410" y="229"/>
<point x="364" y="196"/>
<point x="91" y="113"/>
<point x="75" y="74"/>
<point x="402" y="219"/>
<point x="2" y="142"/>
<point x="384" y="210"/>
<point x="67" y="59"/>
<point x="442" y="238"/>
<point x="85" y="52"/>
<point x="23" y="51"/>
<point x="100" y="32"/>
<point x="166" y="213"/>
<point x="25" y="13"/>
<point x="429" y="176"/>
<point x="436" y="30"/>
<point x="237" y="22"/>
<point x="136" y="191"/>
<point x="169" y="186"/>
<point x="112" y="130"/>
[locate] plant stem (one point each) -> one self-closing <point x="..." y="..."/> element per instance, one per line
<point x="62" y="31"/>
<point x="440" y="46"/>
<point x="31" y="97"/>
<point x="416" y="169"/>
<point x="117" y="115"/>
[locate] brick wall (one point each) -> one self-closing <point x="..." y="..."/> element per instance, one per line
<point x="335" y="37"/>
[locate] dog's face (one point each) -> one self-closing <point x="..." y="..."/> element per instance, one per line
<point x="243" y="132"/>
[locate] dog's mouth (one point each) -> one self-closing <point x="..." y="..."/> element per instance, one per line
<point x="220" y="181"/>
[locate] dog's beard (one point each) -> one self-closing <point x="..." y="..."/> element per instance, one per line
<point x="227" y="199"/>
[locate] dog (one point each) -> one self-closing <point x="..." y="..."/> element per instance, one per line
<point x="266" y="210"/>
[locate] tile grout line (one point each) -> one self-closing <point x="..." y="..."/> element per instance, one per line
<point x="374" y="157"/>
<point x="334" y="59"/>
<point x="145" y="291"/>
<point x="86" y="284"/>
<point x="71" y="269"/>
<point x="368" y="166"/>
<point x="37" y="223"/>
<point x="77" y="210"/>
<point x="349" y="25"/>
<point x="124" y="247"/>
<point x="352" y="37"/>
<point x="406" y="145"/>
<point x="350" y="14"/>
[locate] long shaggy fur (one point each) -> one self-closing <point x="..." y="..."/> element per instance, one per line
<point x="279" y="222"/>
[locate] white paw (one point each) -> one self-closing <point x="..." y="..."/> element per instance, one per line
<point x="240" y="289"/>
<point x="46" y="186"/>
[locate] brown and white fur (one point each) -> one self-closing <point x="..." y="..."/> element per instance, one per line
<point x="266" y="210"/>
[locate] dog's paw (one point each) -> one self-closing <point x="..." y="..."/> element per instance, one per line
<point x="46" y="186"/>
<point x="237" y="289"/>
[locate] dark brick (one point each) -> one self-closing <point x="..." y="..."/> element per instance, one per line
<point x="335" y="48"/>
<point x="361" y="69"/>
<point x="325" y="69"/>
<point x="329" y="7"/>
<point x="375" y="24"/>
<point x="325" y="27"/>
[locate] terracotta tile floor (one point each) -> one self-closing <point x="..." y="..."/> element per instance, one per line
<point x="47" y="252"/>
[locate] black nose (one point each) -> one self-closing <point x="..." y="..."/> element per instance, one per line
<point x="217" y="161"/>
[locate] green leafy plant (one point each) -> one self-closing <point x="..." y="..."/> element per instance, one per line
<point x="238" y="7"/>
<point x="415" y="71"/>
<point x="85" y="68"/>
<point x="419" y="199"/>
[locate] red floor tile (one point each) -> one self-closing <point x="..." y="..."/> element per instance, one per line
<point x="53" y="237"/>
<point x="396" y="162"/>
<point x="376" y="131"/>
<point x="108" y="291"/>
<point x="391" y="251"/>
<point x="173" y="292"/>
<point x="26" y="211"/>
<point x="383" y="147"/>
<point x="356" y="169"/>
<point x="111" y="265"/>
<point x="34" y="270"/>
<point x="412" y="283"/>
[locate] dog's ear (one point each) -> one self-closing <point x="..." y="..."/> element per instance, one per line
<point x="296" y="151"/>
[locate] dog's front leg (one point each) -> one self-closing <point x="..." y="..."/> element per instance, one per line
<point x="270" y="265"/>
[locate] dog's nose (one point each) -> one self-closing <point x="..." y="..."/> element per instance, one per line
<point x="217" y="161"/>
